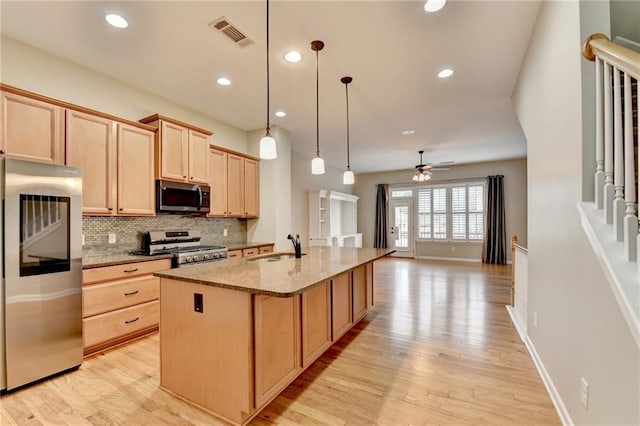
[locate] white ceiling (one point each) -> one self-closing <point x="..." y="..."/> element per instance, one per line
<point x="392" y="49"/>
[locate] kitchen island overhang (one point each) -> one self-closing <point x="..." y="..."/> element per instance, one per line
<point x="234" y="334"/>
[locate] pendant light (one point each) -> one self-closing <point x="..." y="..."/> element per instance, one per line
<point x="347" y="177"/>
<point x="268" y="149"/>
<point x="317" y="164"/>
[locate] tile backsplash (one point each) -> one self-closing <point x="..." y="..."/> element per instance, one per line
<point x="128" y="230"/>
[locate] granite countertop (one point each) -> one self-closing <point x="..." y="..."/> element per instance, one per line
<point x="244" y="245"/>
<point x="95" y="258"/>
<point x="284" y="277"/>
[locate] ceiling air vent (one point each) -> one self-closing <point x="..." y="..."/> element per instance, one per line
<point x="231" y="32"/>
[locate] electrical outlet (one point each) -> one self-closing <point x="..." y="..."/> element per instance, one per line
<point x="225" y="232"/>
<point x="584" y="392"/>
<point x="112" y="238"/>
<point x="535" y="319"/>
<point x="82" y="239"/>
<point x="453" y="248"/>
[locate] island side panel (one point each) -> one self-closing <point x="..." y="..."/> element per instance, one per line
<point x="207" y="357"/>
<point x="370" y="282"/>
<point x="316" y="322"/>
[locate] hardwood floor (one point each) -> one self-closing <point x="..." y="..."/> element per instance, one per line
<point x="437" y="348"/>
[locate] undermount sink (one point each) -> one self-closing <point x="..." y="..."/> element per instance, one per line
<point x="274" y="257"/>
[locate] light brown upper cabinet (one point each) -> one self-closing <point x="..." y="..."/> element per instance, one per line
<point x="182" y="150"/>
<point x="235" y="181"/>
<point x="32" y="128"/>
<point x="117" y="163"/>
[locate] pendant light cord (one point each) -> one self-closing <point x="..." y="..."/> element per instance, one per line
<point x="268" y="91"/>
<point x="317" y="108"/>
<point x="346" y="89"/>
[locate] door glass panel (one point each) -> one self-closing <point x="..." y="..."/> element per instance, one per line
<point x="44" y="234"/>
<point x="401" y="215"/>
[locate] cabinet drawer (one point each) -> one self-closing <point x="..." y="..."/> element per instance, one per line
<point x="105" y="273"/>
<point x="104" y="327"/>
<point x="234" y="253"/>
<point x="100" y="298"/>
<point x="250" y="251"/>
<point x="266" y="249"/>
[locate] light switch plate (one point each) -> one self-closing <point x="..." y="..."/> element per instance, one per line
<point x="112" y="238"/>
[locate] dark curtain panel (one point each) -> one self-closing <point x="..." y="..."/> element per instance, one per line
<point x="495" y="241"/>
<point x="380" y="236"/>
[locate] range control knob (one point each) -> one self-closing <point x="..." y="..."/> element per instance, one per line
<point x="206" y="257"/>
<point x="189" y="259"/>
<point x="216" y="255"/>
<point x="196" y="258"/>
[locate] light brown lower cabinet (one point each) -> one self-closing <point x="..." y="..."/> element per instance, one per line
<point x="316" y="322"/>
<point x="359" y="287"/>
<point x="341" y="305"/>
<point x="277" y="344"/>
<point x="240" y="350"/>
<point x="120" y="303"/>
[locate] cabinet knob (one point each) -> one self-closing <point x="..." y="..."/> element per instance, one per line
<point x="1" y="151"/>
<point x="191" y="177"/>
<point x="110" y="209"/>
<point x="184" y="176"/>
<point x="120" y="209"/>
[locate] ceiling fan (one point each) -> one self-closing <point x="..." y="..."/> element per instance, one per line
<point x="423" y="171"/>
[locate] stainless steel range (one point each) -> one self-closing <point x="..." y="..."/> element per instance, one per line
<point x="184" y="245"/>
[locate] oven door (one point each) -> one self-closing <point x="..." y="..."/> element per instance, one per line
<point x="177" y="197"/>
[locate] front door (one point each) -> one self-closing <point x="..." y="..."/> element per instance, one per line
<point x="401" y="230"/>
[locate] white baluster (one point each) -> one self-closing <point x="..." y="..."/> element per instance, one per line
<point x="618" y="172"/>
<point x="608" y="147"/>
<point x="599" y="176"/>
<point x="630" y="219"/>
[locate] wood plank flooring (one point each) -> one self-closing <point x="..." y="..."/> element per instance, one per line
<point x="438" y="348"/>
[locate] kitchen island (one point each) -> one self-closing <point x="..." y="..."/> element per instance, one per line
<point x="235" y="333"/>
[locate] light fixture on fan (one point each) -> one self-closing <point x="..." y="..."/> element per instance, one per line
<point x="268" y="148"/>
<point x="317" y="164"/>
<point x="347" y="178"/>
<point x="423" y="171"/>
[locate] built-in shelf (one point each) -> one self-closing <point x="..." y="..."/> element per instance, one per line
<point x="333" y="219"/>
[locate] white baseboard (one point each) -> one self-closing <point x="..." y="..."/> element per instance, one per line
<point x="565" y="418"/>
<point x="515" y="322"/>
<point x="454" y="259"/>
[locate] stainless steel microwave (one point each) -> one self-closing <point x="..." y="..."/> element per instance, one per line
<point x="182" y="198"/>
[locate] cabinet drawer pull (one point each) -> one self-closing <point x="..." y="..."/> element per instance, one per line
<point x="132" y="293"/>
<point x="133" y="320"/>
<point x="130" y="270"/>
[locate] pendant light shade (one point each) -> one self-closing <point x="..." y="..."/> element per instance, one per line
<point x="347" y="178"/>
<point x="317" y="164"/>
<point x="268" y="148"/>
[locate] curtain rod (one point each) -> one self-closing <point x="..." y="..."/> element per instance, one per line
<point x="431" y="182"/>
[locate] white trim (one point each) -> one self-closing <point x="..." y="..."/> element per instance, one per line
<point x="456" y="259"/>
<point x="562" y="411"/>
<point x="621" y="274"/>
<point x="515" y="322"/>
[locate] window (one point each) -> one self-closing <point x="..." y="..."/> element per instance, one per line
<point x="452" y="212"/>
<point x="401" y="193"/>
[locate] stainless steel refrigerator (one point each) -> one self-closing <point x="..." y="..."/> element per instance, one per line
<point x="41" y="309"/>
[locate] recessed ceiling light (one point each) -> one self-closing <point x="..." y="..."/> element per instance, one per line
<point x="224" y="81"/>
<point x="116" y="20"/>
<point x="408" y="132"/>
<point x="447" y="72"/>
<point x="293" y="56"/>
<point x="281" y="114"/>
<point x="434" y="5"/>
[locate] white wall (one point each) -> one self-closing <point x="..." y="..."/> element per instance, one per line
<point x="625" y="19"/>
<point x="302" y="181"/>
<point x="275" y="192"/>
<point x="580" y="332"/>
<point x="35" y="70"/>
<point x="515" y="183"/>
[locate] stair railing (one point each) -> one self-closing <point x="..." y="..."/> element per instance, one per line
<point x="617" y="73"/>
